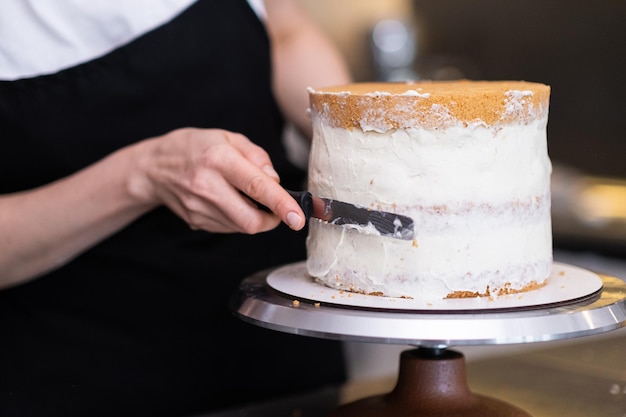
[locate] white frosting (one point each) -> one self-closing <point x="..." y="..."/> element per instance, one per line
<point x="479" y="197"/>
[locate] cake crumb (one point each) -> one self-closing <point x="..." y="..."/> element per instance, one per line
<point x="296" y="303"/>
<point x="498" y="292"/>
<point x="317" y="305"/>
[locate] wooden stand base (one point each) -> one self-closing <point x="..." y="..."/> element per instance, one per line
<point x="431" y="383"/>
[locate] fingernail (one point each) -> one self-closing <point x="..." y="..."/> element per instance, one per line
<point x="293" y="220"/>
<point x="269" y="170"/>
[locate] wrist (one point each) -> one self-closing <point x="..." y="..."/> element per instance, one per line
<point x="137" y="182"/>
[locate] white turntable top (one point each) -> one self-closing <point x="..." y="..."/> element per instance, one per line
<point x="577" y="303"/>
<point x="566" y="284"/>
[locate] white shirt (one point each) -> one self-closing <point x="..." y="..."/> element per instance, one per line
<point x="40" y="37"/>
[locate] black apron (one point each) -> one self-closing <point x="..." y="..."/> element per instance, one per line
<point x="140" y="324"/>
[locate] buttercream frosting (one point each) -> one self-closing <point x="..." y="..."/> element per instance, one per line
<point x="468" y="161"/>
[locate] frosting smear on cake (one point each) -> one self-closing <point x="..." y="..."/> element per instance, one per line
<point x="467" y="160"/>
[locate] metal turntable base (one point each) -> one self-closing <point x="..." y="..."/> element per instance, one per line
<point x="432" y="378"/>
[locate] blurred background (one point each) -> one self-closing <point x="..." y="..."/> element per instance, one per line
<point x="577" y="47"/>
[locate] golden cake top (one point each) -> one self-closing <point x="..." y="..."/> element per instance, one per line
<point x="429" y="104"/>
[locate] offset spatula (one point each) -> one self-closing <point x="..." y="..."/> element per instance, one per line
<point x="340" y="213"/>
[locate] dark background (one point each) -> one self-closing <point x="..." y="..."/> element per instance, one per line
<point x="577" y="47"/>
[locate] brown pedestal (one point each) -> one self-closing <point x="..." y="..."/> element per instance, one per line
<point x="431" y="383"/>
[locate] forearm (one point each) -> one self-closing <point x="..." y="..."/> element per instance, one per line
<point x="303" y="56"/>
<point x="44" y="228"/>
<point x="201" y="175"/>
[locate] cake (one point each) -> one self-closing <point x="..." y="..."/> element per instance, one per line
<point x="466" y="160"/>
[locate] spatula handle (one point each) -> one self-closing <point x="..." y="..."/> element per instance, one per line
<point x="305" y="200"/>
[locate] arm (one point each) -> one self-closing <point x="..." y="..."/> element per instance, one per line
<point x="302" y="57"/>
<point x="198" y="174"/>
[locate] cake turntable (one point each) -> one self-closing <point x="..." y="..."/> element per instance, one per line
<point x="431" y="379"/>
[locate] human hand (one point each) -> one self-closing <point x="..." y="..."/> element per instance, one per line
<point x="204" y="176"/>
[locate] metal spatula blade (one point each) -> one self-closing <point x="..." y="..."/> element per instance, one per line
<point x="341" y="213"/>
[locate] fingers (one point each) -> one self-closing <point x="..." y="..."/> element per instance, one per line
<point x="255" y="154"/>
<point x="235" y="212"/>
<point x="215" y="179"/>
<point x="258" y="180"/>
<point x="282" y="205"/>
